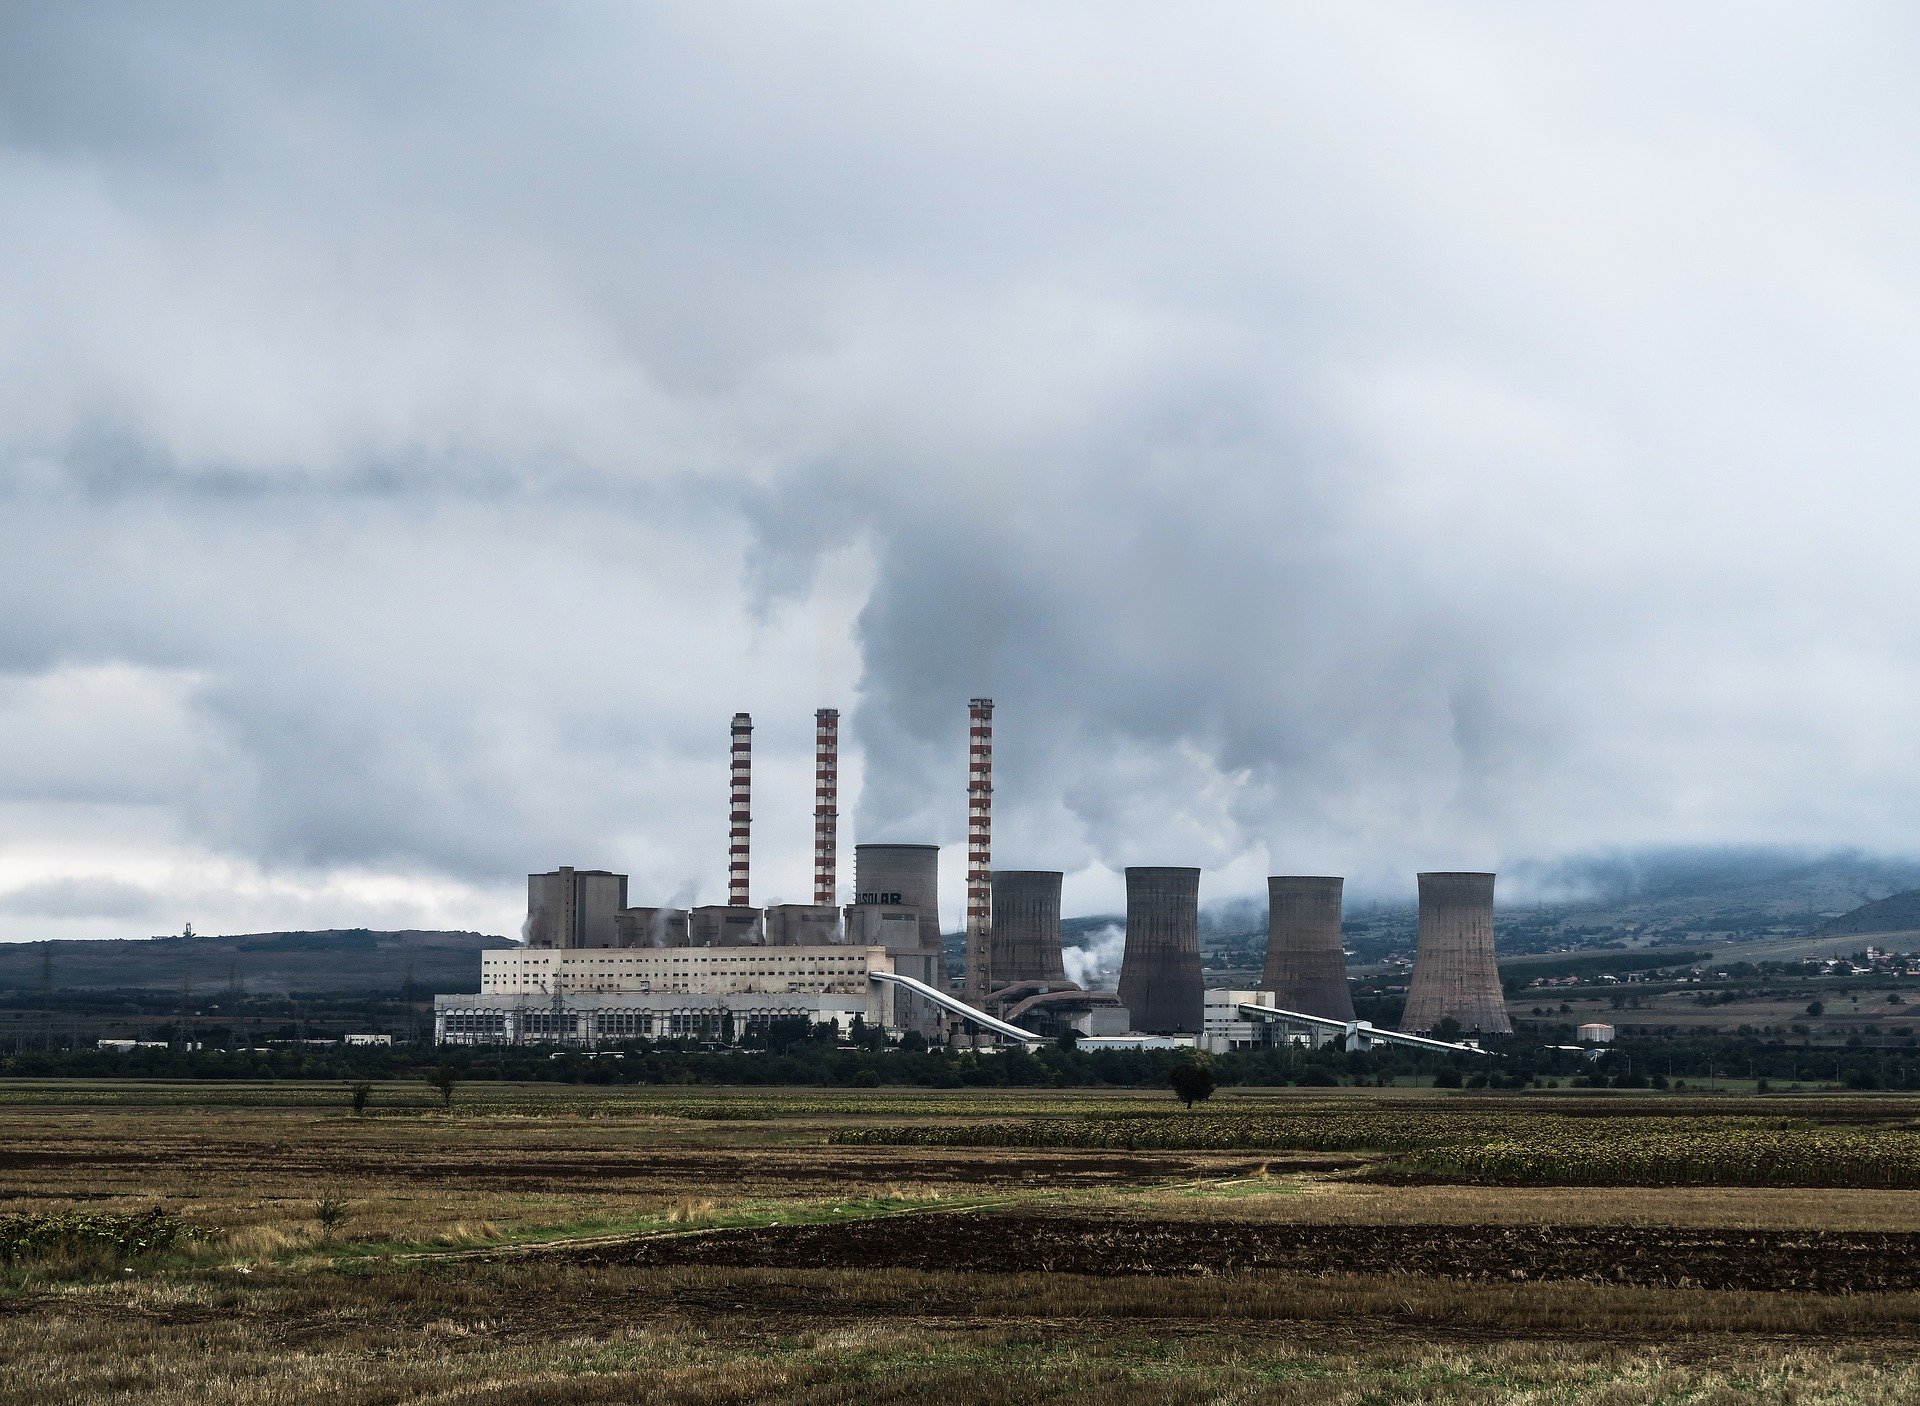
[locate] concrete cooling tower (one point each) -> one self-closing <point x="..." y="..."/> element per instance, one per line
<point x="1160" y="971"/>
<point x="1306" y="968"/>
<point x="903" y="875"/>
<point x="1453" y="967"/>
<point x="1026" y="926"/>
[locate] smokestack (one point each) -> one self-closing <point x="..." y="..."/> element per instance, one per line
<point x="826" y="806"/>
<point x="980" y="973"/>
<point x="1306" y="968"/>
<point x="1026" y="926"/>
<point x="1453" y="968"/>
<point x="1160" y="971"/>
<point x="738" y="842"/>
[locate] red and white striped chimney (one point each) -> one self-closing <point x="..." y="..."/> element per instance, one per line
<point x="741" y="827"/>
<point x="826" y="805"/>
<point x="979" y="979"/>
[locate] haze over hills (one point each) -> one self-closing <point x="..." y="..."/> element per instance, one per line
<point x="345" y="959"/>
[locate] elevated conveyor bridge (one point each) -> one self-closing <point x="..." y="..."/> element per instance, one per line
<point x="958" y="1007"/>
<point x="1360" y="1034"/>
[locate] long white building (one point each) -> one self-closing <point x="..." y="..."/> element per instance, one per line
<point x="604" y="995"/>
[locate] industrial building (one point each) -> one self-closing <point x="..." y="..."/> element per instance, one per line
<point x="609" y="995"/>
<point x="574" y="907"/>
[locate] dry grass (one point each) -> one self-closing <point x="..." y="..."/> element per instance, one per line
<point x="284" y="1308"/>
<point x="530" y="1333"/>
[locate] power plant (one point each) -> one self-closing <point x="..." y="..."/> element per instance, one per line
<point x="595" y="969"/>
<point x="1454" y="975"/>
<point x="1306" y="963"/>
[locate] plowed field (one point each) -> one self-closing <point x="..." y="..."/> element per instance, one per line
<point x="1814" y="1261"/>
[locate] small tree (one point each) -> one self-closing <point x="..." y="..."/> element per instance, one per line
<point x="360" y="1093"/>
<point x="1192" y="1079"/>
<point x="442" y="1080"/>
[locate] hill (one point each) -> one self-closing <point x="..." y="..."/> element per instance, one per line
<point x="346" y="959"/>
<point x="1899" y="913"/>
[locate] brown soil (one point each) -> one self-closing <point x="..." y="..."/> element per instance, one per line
<point x="735" y="1170"/>
<point x="1770" y="1261"/>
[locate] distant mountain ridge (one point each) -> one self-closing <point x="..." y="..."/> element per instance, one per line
<point x="333" y="959"/>
<point x="1899" y="912"/>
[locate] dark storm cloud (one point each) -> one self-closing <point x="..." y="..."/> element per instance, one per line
<point x="1342" y="439"/>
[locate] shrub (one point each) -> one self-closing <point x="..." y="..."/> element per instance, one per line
<point x="1192" y="1079"/>
<point x="82" y="1233"/>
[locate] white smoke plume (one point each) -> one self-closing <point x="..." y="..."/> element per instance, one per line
<point x="1096" y="966"/>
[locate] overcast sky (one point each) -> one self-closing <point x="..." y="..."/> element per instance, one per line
<point x="1343" y="438"/>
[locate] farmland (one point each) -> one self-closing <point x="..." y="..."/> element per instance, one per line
<point x="264" y="1243"/>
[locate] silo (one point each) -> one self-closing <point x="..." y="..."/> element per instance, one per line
<point x="1026" y="926"/>
<point x="1453" y="966"/>
<point x="1160" y="971"/>
<point x="1306" y="967"/>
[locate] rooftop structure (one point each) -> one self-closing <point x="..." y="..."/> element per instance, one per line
<point x="803" y="925"/>
<point x="651" y="927"/>
<point x="574" y="907"/>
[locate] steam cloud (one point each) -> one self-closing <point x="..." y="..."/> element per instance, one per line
<point x="1095" y="964"/>
<point x="1334" y="456"/>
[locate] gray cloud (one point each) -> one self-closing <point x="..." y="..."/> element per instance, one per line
<point x="1342" y="439"/>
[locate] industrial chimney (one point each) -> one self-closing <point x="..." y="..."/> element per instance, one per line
<point x="741" y="826"/>
<point x="981" y="976"/>
<point x="1160" y="971"/>
<point x="1453" y="967"/>
<point x="1026" y="926"/>
<point x="826" y="806"/>
<point x="1306" y="967"/>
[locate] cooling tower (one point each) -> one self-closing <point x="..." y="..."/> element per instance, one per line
<point x="1453" y="968"/>
<point x="1160" y="971"/>
<point x="1306" y="969"/>
<point x="903" y="876"/>
<point x="1026" y="926"/>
